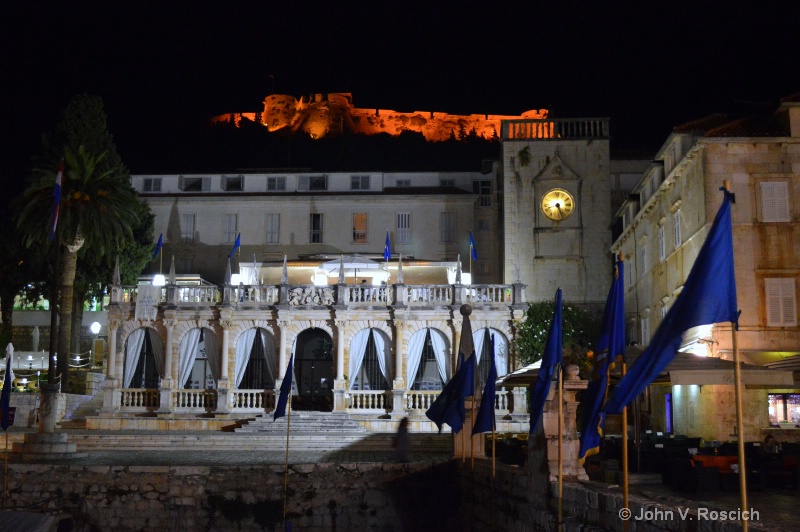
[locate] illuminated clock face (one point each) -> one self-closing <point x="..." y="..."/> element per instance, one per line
<point x="558" y="204"/>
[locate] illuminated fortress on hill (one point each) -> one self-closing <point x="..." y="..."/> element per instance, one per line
<point x="319" y="115"/>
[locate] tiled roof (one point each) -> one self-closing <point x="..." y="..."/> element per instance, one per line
<point x="749" y="127"/>
<point x="702" y="124"/>
<point x="792" y="98"/>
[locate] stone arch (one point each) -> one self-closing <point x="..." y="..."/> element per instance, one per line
<point x="295" y="327"/>
<point x="243" y="325"/>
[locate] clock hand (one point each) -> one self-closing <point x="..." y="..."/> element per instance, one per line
<point x="560" y="213"/>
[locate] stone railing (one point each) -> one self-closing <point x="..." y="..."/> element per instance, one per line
<point x="370" y="295"/>
<point x="190" y="401"/>
<point x="368" y="400"/>
<point x="241" y="400"/>
<point x="577" y="128"/>
<point x="138" y="399"/>
<point x="429" y="295"/>
<point x="255" y="295"/>
<point x="481" y="294"/>
<point x="417" y="401"/>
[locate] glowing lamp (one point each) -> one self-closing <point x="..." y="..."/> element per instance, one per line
<point x="159" y="280"/>
<point x="94" y="327"/>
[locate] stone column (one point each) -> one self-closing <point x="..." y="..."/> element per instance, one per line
<point x="399" y="384"/>
<point x="340" y="384"/>
<point x="224" y="383"/>
<point x="570" y="444"/>
<point x="111" y="386"/>
<point x="167" y="381"/>
<point x="283" y="357"/>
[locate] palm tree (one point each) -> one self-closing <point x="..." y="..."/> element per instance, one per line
<point x="98" y="208"/>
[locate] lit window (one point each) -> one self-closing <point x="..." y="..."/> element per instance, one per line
<point x="774" y="201"/>
<point x="360" y="228"/>
<point x="784" y="408"/>
<point x="781" y="303"/>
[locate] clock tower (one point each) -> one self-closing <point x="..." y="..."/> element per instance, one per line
<point x="557" y="208"/>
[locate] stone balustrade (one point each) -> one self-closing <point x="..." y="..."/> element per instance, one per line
<point x="368" y="400"/>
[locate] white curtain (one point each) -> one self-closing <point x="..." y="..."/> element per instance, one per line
<point x="440" y="351"/>
<point x="269" y="351"/>
<point x="158" y="350"/>
<point x="383" y="351"/>
<point x="500" y="353"/>
<point x="212" y="353"/>
<point x="415" y="346"/>
<point x="357" y="347"/>
<point x="133" y="350"/>
<point x="188" y="353"/>
<point x="477" y="339"/>
<point x="243" y="347"/>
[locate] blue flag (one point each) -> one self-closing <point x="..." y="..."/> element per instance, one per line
<point x="449" y="405"/>
<point x="286" y="391"/>
<point x="472" y="249"/>
<point x="5" y="396"/>
<point x="484" y="421"/>
<point x="550" y="360"/>
<point x="236" y="245"/>
<point x="387" y="249"/>
<point x="610" y="345"/>
<point x="158" y="246"/>
<point x="708" y="296"/>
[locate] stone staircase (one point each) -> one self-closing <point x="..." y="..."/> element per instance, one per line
<point x="303" y="423"/>
<point x="75" y="417"/>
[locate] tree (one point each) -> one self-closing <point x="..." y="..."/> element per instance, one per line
<point x="98" y="208"/>
<point x="580" y="330"/>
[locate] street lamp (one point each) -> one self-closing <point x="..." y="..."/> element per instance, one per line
<point x="95" y="328"/>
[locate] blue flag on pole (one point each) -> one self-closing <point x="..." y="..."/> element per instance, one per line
<point x="236" y="245"/>
<point x="387" y="249"/>
<point x="5" y="396"/>
<point x="610" y="345"/>
<point x="472" y="249"/>
<point x="708" y="296"/>
<point x="484" y="420"/>
<point x="449" y="405"/>
<point x="286" y="391"/>
<point x="158" y="246"/>
<point x="550" y="360"/>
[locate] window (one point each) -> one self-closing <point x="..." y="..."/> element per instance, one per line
<point x="403" y="183"/>
<point x="230" y="228"/>
<point x="427" y="377"/>
<point x="313" y="182"/>
<point x="152" y="184"/>
<point x="643" y="260"/>
<point x="187" y="228"/>
<point x="784" y="408"/>
<point x="369" y="376"/>
<point x="447" y="227"/>
<point x="233" y="183"/>
<point x="359" y="182"/>
<point x="645" y="333"/>
<point x="360" y="228"/>
<point x="626" y="218"/>
<point x="185" y="265"/>
<point x="483" y="187"/>
<point x="781" y="302"/>
<point x="276" y="183"/>
<point x="482" y="225"/>
<point x="774" y="201"/>
<point x="447" y="182"/>
<point x="273" y="228"/>
<point x="315" y="233"/>
<point x="403" y="235"/>
<point x="195" y="184"/>
<point x="664" y="310"/>
<point x="676" y="228"/>
<point x="662" y="245"/>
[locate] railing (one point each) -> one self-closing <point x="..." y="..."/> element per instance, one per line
<point x="138" y="399"/>
<point x="368" y="294"/>
<point x="501" y="403"/>
<point x="251" y="400"/>
<point x="194" y="400"/>
<point x="257" y="294"/>
<point x="311" y="295"/>
<point x="417" y="401"/>
<point x="578" y="128"/>
<point x="489" y="293"/>
<point x="197" y="294"/>
<point x="361" y="400"/>
<point x="429" y="295"/>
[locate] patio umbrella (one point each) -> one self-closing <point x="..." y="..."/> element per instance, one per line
<point x="35" y="338"/>
<point x="350" y="263"/>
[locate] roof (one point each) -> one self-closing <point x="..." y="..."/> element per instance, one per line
<point x="702" y="124"/>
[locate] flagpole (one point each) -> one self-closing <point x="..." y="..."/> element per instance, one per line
<point x="737" y="378"/>
<point x="624" y="454"/>
<point x="286" y="463"/>
<point x="560" y="452"/>
<point x="472" y="436"/>
<point x="5" y="475"/>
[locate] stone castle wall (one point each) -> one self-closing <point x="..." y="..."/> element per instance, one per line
<point x="322" y="114"/>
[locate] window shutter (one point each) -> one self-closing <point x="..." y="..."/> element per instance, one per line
<point x="302" y="183"/>
<point x="676" y="224"/>
<point x="206" y="184"/>
<point x="781" y="302"/>
<point x="662" y="245"/>
<point x="775" y="201"/>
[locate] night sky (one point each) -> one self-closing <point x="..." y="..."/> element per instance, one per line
<point x="163" y="68"/>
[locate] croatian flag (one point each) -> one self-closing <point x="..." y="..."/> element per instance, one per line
<point x="56" y="201"/>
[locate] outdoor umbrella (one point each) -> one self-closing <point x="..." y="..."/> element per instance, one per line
<point x="350" y="263"/>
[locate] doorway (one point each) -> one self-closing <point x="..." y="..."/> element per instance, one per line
<point x="314" y="371"/>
